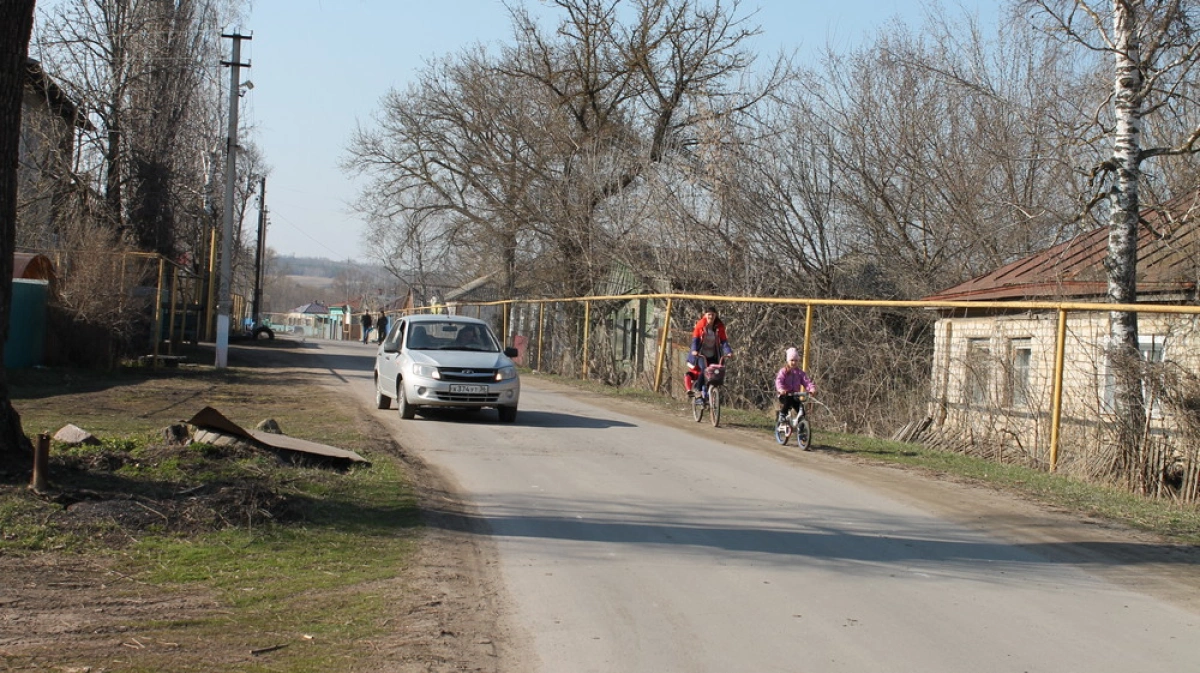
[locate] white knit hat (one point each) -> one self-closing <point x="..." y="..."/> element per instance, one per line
<point x="792" y="354"/>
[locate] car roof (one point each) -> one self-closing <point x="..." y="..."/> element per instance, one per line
<point x="443" y="317"/>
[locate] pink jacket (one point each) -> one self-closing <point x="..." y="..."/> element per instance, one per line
<point x="793" y="380"/>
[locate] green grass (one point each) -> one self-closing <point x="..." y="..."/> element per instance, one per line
<point x="310" y="586"/>
<point x="317" y="580"/>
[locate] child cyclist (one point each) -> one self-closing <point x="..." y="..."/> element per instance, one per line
<point x="791" y="379"/>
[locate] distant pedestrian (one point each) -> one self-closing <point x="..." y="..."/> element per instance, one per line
<point x="381" y="325"/>
<point x="366" y="325"/>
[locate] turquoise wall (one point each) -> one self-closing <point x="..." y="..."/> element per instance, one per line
<point x="27" y="324"/>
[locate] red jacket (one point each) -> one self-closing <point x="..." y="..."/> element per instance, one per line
<point x="698" y="335"/>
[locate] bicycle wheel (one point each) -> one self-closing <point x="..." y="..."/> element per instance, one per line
<point x="714" y="405"/>
<point x="783" y="430"/>
<point x="803" y="434"/>
<point x="698" y="406"/>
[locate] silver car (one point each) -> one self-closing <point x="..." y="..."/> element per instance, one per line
<point x="445" y="361"/>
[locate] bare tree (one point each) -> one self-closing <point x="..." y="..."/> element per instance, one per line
<point x="940" y="174"/>
<point x="544" y="151"/>
<point x="143" y="69"/>
<point x="16" y="24"/>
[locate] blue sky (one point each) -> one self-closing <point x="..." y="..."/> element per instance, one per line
<point x="320" y="67"/>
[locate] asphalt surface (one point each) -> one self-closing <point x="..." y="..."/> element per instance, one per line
<point x="630" y="544"/>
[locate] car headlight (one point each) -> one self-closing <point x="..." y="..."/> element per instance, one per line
<point x="506" y="373"/>
<point x="426" y="371"/>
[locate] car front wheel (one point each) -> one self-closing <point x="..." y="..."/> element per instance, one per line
<point x="407" y="411"/>
<point x="381" y="401"/>
<point x="507" y="414"/>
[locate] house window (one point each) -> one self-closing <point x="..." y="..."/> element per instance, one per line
<point x="1152" y="349"/>
<point x="1020" y="353"/>
<point x="977" y="372"/>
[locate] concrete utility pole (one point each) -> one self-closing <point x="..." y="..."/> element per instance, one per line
<point x="224" y="297"/>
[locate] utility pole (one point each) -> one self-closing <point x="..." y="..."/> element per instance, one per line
<point x="225" y="298"/>
<point x="258" y="253"/>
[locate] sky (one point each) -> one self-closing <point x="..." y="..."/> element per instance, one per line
<point x="321" y="67"/>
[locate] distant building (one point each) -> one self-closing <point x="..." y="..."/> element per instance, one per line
<point x="310" y="320"/>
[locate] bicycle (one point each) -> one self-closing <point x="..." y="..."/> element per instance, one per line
<point x="708" y="394"/>
<point x="795" y="424"/>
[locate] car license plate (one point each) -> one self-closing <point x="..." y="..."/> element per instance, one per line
<point x="468" y="389"/>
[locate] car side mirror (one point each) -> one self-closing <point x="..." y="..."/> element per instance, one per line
<point x="391" y="347"/>
<point x="512" y="352"/>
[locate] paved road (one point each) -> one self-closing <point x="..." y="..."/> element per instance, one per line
<point x="630" y="545"/>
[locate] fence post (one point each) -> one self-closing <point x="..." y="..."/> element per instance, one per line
<point x="662" y="347"/>
<point x="158" y="311"/>
<point x="171" y="315"/>
<point x="541" y="333"/>
<point x="807" y="335"/>
<point x="587" y="324"/>
<point x="1056" y="403"/>
<point x="210" y="315"/>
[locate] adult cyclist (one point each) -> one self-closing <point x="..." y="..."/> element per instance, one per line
<point x="709" y="344"/>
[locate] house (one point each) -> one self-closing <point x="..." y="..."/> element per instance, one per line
<point x="310" y="320"/>
<point x="466" y="299"/>
<point x="49" y="120"/>
<point x="632" y="328"/>
<point x="993" y="368"/>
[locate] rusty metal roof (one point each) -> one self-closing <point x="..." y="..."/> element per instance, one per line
<point x="1168" y="262"/>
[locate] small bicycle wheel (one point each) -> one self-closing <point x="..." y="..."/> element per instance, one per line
<point x="714" y="405"/>
<point x="783" y="429"/>
<point x="698" y="406"/>
<point x="803" y="434"/>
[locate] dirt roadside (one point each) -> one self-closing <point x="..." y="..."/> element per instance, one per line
<point x="451" y="613"/>
<point x="67" y="612"/>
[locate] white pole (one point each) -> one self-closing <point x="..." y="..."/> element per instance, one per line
<point x="224" y="296"/>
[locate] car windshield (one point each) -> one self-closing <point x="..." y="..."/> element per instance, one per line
<point x="452" y="336"/>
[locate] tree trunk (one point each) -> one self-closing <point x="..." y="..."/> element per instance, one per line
<point x="16" y="24"/>
<point x="1123" y="352"/>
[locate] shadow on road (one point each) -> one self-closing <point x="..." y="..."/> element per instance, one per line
<point x="535" y="419"/>
<point x="811" y="536"/>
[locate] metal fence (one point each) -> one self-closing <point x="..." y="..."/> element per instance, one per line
<point x="1017" y="382"/>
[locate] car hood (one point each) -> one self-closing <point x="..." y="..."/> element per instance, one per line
<point x="464" y="359"/>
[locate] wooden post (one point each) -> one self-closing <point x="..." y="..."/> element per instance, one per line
<point x="41" y="461"/>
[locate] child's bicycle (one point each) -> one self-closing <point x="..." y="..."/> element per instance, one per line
<point x="795" y="424"/>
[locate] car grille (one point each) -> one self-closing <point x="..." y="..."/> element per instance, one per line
<point x="460" y="375"/>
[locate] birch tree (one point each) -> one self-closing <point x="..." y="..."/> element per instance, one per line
<point x="1154" y="50"/>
